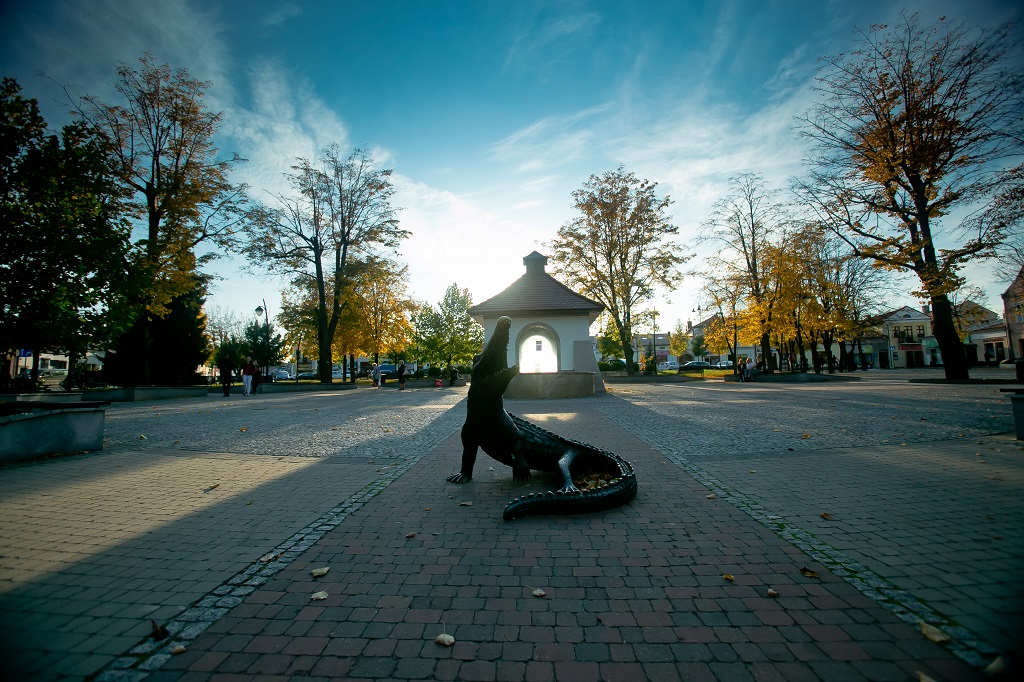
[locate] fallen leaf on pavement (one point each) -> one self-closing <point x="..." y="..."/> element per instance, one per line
<point x="244" y="429"/>
<point x="317" y="596"/>
<point x="319" y="572"/>
<point x="270" y="556"/>
<point x="159" y="632"/>
<point x="772" y="592"/>
<point x="141" y="437"/>
<point x="539" y="593"/>
<point x="212" y="487"/>
<point x="921" y="677"/>
<point x="827" y="516"/>
<point x="712" y="496"/>
<point x="933" y="633"/>
<point x="728" y="577"/>
<point x="445" y="639"/>
<point x="753" y="471"/>
<point x="179" y="649"/>
<point x="465" y="504"/>
<point x="996" y="667"/>
<point x="807" y="573"/>
<point x="410" y="535"/>
<point x="427" y="508"/>
<point x="805" y="435"/>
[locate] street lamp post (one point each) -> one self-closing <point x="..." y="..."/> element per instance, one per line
<point x="262" y="310"/>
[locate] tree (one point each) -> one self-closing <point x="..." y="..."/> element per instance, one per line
<point x="159" y="143"/>
<point x="381" y="287"/>
<point x="616" y="251"/>
<point x="447" y="335"/>
<point x="178" y="344"/>
<point x="744" y="223"/>
<point x="340" y="209"/>
<point x="914" y="124"/>
<point x="608" y="342"/>
<point x="63" y="235"/>
<point x="678" y="340"/>
<point x="697" y="347"/>
<point x="263" y="345"/>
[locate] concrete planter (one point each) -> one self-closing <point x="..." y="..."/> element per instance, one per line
<point x="42" y="432"/>
<point x="280" y="387"/>
<point x="133" y="393"/>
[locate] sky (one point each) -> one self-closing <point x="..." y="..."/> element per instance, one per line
<point x="490" y="113"/>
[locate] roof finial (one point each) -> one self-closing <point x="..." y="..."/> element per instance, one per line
<point x="535" y="262"/>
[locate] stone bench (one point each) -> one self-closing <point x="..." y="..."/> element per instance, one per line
<point x="40" y="428"/>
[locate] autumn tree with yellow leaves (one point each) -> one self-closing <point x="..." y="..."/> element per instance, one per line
<point x="744" y="224"/>
<point x="617" y="249"/>
<point x="159" y="142"/>
<point x="913" y="124"/>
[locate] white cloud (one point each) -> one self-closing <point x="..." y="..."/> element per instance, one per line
<point x="286" y="120"/>
<point x="456" y="241"/>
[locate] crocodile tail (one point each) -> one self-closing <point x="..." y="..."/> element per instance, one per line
<point x="615" y="494"/>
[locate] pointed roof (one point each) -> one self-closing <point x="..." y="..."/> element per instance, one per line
<point x="536" y="292"/>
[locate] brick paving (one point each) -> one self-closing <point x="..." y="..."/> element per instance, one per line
<point x="631" y="594"/>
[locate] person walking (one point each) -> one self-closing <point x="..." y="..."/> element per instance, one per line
<point x="401" y="375"/>
<point x="375" y="373"/>
<point x="227" y="375"/>
<point x="247" y="370"/>
<point x="742" y="369"/>
<point x="257" y="376"/>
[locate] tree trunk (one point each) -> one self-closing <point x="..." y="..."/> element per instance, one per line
<point x="826" y="340"/>
<point x="954" y="359"/>
<point x="627" y="351"/>
<point x="768" y="363"/>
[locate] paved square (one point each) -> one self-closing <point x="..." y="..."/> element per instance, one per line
<point x="215" y="535"/>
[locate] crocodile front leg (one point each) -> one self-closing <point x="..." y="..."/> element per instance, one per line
<point x="564" y="462"/>
<point x="469" y="448"/>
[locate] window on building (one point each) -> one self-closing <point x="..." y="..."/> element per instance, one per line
<point x="920" y="330"/>
<point x="540" y="345"/>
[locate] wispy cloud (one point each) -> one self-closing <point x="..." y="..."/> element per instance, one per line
<point x="90" y="38"/>
<point x="282" y="14"/>
<point x="285" y="120"/>
<point x="550" y="142"/>
<point x="551" y="39"/>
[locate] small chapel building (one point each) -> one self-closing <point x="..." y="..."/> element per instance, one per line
<point x="550" y="334"/>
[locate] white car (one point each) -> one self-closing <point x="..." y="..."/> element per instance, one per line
<point x="670" y="365"/>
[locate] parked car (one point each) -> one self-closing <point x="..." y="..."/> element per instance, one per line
<point x="307" y="375"/>
<point x="280" y="374"/>
<point x="669" y="365"/>
<point x="697" y="364"/>
<point x="388" y="371"/>
<point x="724" y="364"/>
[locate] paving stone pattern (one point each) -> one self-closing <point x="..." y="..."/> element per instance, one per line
<point x="634" y="593"/>
<point x="174" y="527"/>
<point x="94" y="546"/>
<point x="930" y="526"/>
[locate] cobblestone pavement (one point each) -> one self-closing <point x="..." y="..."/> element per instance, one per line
<point x="923" y="505"/>
<point x="919" y="485"/>
<point x="94" y="546"/>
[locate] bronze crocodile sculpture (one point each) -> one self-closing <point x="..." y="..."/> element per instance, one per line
<point x="511" y="440"/>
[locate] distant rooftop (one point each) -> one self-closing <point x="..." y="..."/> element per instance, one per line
<point x="536" y="292"/>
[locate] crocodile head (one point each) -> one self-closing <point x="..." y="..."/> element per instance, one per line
<point x="491" y="373"/>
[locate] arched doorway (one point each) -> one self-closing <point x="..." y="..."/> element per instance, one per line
<point x="537" y="350"/>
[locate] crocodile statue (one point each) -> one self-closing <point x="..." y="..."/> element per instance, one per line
<point x="593" y="479"/>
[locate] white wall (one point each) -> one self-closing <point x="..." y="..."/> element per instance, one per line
<point x="569" y="328"/>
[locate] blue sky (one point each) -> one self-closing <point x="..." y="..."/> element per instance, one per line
<point x="490" y="113"/>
